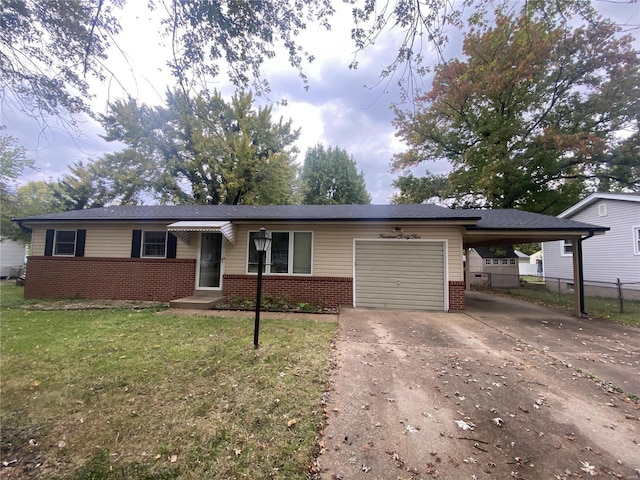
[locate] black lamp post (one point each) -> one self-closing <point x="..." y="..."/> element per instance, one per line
<point x="262" y="241"/>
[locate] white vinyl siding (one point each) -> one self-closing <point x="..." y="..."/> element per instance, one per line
<point x="110" y="240"/>
<point x="400" y="274"/>
<point x="333" y="244"/>
<point x="605" y="257"/>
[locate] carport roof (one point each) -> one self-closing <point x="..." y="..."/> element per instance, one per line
<point x="510" y="226"/>
<point x="482" y="227"/>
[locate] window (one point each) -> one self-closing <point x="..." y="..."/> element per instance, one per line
<point x="289" y="253"/>
<point x="602" y="210"/>
<point x="512" y="261"/>
<point x="567" y="248"/>
<point x="487" y="261"/>
<point x="504" y="261"/>
<point x="636" y="240"/>
<point x="496" y="261"/>
<point x="154" y="244"/>
<point x="65" y="243"/>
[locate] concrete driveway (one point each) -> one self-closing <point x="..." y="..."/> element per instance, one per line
<point x="505" y="390"/>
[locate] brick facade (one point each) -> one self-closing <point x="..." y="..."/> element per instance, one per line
<point x="167" y="279"/>
<point x="158" y="280"/>
<point x="456" y="296"/>
<point x="326" y="291"/>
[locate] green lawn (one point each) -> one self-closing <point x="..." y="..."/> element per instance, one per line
<point x="137" y="394"/>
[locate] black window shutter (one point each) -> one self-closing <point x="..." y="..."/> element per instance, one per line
<point x="81" y="236"/>
<point x="48" y="243"/>
<point x="136" y="243"/>
<point x="172" y="245"/>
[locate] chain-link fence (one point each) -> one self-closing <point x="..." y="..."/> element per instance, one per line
<point x="618" y="290"/>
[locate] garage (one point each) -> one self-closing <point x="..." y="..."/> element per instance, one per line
<point x="400" y="274"/>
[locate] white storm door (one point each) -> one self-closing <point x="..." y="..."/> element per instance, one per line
<point x="210" y="262"/>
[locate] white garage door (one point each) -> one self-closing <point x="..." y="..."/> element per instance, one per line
<point x="400" y="275"/>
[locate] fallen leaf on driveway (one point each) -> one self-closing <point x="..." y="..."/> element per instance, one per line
<point x="498" y="421"/>
<point x="590" y="469"/>
<point x="464" y="425"/>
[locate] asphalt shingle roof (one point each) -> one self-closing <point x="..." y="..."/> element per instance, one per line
<point x="487" y="252"/>
<point x="261" y="212"/>
<point x="512" y="219"/>
<point x="501" y="219"/>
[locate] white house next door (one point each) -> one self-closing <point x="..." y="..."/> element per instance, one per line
<point x="210" y="261"/>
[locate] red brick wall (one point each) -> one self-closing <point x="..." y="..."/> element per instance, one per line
<point x="456" y="296"/>
<point x="110" y="278"/>
<point x="326" y="291"/>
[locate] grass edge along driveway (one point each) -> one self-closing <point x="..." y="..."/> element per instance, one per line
<point x="116" y="394"/>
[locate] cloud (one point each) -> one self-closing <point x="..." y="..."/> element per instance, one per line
<point x="54" y="145"/>
<point x="341" y="107"/>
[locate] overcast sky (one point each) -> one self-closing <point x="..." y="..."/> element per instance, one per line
<point x="336" y="110"/>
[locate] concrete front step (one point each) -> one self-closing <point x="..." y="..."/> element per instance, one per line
<point x="195" y="302"/>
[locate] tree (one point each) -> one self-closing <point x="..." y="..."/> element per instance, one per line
<point x="202" y="150"/>
<point x="531" y="118"/>
<point x="33" y="198"/>
<point x="83" y="187"/>
<point x="13" y="161"/>
<point x="330" y="177"/>
<point x="50" y="50"/>
<point x="420" y="189"/>
<point x="47" y="50"/>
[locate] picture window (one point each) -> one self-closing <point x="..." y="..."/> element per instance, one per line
<point x="288" y="253"/>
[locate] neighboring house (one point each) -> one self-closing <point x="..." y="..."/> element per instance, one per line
<point x="537" y="260"/>
<point x="494" y="267"/>
<point x="607" y="258"/>
<point x="387" y="256"/>
<point x="12" y="255"/>
<point x="529" y="265"/>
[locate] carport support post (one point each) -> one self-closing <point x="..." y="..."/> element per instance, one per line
<point x="467" y="269"/>
<point x="578" y="278"/>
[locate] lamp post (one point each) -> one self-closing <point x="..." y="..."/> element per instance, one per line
<point x="261" y="241"/>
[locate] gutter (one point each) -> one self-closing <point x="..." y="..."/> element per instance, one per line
<point x="21" y="225"/>
<point x="581" y="273"/>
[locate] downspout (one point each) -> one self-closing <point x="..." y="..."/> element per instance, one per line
<point x="580" y="273"/>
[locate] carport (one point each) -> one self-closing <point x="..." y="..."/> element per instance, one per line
<point x="510" y="226"/>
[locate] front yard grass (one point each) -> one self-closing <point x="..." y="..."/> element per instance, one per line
<point x="131" y="394"/>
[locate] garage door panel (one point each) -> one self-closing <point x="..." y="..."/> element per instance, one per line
<point x="401" y="300"/>
<point x="400" y="275"/>
<point x="385" y="285"/>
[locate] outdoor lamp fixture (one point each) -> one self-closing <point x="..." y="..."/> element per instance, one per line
<point x="262" y="242"/>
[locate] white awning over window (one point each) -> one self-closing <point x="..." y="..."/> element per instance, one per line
<point x="182" y="229"/>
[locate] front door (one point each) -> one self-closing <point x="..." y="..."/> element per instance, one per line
<point x="210" y="262"/>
